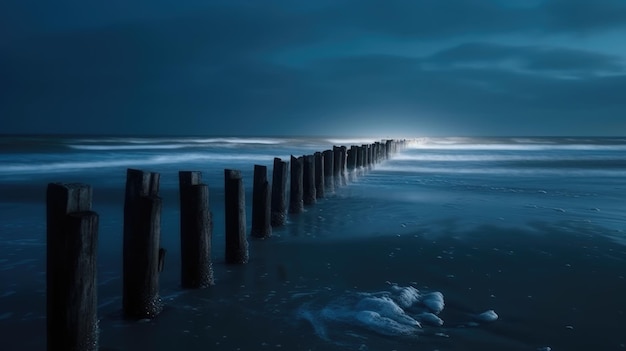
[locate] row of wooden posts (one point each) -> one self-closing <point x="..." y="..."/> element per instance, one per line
<point x="72" y="233"/>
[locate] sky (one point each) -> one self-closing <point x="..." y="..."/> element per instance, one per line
<point x="323" y="67"/>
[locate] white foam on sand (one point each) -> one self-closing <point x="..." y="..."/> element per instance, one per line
<point x="405" y="296"/>
<point x="383" y="325"/>
<point x="430" y="319"/>
<point x="387" y="308"/>
<point x="383" y="312"/>
<point x="487" y="316"/>
<point x="397" y="312"/>
<point x="433" y="301"/>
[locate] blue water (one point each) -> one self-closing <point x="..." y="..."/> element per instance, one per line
<point x="532" y="229"/>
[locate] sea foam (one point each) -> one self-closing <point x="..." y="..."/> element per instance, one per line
<point x="433" y="301"/>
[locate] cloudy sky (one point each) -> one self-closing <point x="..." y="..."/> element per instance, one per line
<point x="313" y="67"/>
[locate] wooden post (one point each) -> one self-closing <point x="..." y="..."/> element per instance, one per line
<point x="358" y="156"/>
<point x="141" y="254"/>
<point x="388" y="146"/>
<point x="343" y="151"/>
<point x="372" y="155"/>
<point x="71" y="289"/>
<point x="329" y="165"/>
<point x="377" y="152"/>
<point x="295" y="193"/>
<point x="308" y="180"/>
<point x="337" y="166"/>
<point x="279" y="186"/>
<point x="319" y="175"/>
<point x="351" y="162"/>
<point x="361" y="160"/>
<point x="235" y="216"/>
<point x="195" y="231"/>
<point x="261" y="214"/>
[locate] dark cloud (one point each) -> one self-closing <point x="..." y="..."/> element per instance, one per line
<point x="582" y="15"/>
<point x="532" y="58"/>
<point x="211" y="67"/>
<point x="434" y="19"/>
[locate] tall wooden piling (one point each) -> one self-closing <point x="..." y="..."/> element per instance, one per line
<point x="308" y="180"/>
<point x="261" y="204"/>
<point x="141" y="254"/>
<point x="235" y="217"/>
<point x="329" y="170"/>
<point x="295" y="194"/>
<point x="319" y="175"/>
<point x="351" y="161"/>
<point x="343" y="153"/>
<point x="337" y="166"/>
<point x="377" y="152"/>
<point x="195" y="231"/>
<point x="71" y="289"/>
<point x="279" y="186"/>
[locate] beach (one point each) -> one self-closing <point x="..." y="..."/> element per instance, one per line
<point x="523" y="239"/>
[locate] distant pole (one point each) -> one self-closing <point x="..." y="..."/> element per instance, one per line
<point x="337" y="166"/>
<point x="235" y="216"/>
<point x="279" y="187"/>
<point x="343" y="151"/>
<point x="142" y="256"/>
<point x="377" y="152"/>
<point x="351" y="161"/>
<point x="261" y="211"/>
<point x="71" y="289"/>
<point x="195" y="231"/>
<point x="359" y="159"/>
<point x="295" y="193"/>
<point x="319" y="175"/>
<point x="329" y="170"/>
<point x="308" y="180"/>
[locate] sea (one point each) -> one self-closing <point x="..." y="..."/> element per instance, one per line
<point x="454" y="243"/>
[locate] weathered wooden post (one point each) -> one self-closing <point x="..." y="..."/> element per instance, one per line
<point x="374" y="153"/>
<point x="377" y="152"/>
<point x="308" y="180"/>
<point x="343" y="151"/>
<point x="360" y="159"/>
<point x="388" y="148"/>
<point x="71" y="289"/>
<point x="329" y="171"/>
<point x="195" y="231"/>
<point x="143" y="260"/>
<point x="279" y="186"/>
<point x="319" y="175"/>
<point x="295" y="193"/>
<point x="235" y="217"/>
<point x="261" y="214"/>
<point x="365" y="158"/>
<point x="352" y="161"/>
<point x="337" y="166"/>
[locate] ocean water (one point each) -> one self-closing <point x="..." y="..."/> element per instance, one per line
<point x="453" y="244"/>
